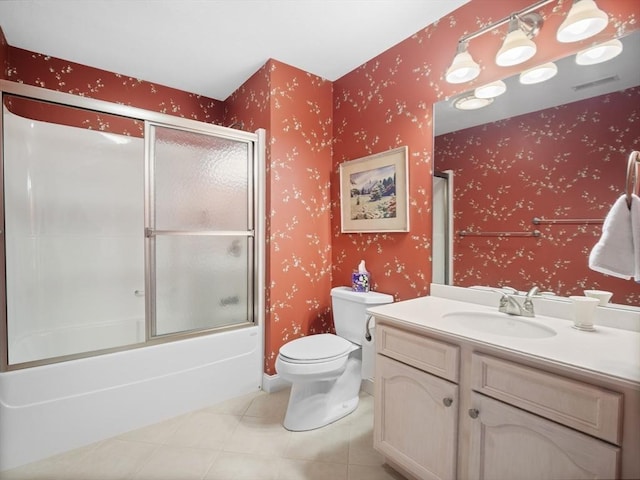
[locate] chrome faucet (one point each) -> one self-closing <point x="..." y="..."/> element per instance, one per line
<point x="510" y="305"/>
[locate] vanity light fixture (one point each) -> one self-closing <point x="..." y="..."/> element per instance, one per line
<point x="584" y="20"/>
<point x="471" y="102"/>
<point x="599" y="53"/>
<point x="491" y="90"/>
<point x="463" y="68"/>
<point x="539" y="74"/>
<point x="518" y="46"/>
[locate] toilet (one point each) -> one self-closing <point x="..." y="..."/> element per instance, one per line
<point x="325" y="370"/>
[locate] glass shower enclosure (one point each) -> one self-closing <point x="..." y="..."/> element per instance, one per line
<point x="121" y="231"/>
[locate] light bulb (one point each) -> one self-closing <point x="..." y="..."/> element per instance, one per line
<point x="491" y="90"/>
<point x="462" y="69"/>
<point x="516" y="49"/>
<point x="599" y="53"/>
<point x="584" y="20"/>
<point x="538" y="74"/>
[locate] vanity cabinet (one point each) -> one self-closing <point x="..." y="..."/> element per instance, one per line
<point x="508" y="443"/>
<point x="416" y="412"/>
<point x="446" y="408"/>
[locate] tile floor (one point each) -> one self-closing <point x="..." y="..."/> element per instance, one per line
<point x="241" y="439"/>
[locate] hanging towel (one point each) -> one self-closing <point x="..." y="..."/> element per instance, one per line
<point x="635" y="234"/>
<point x="615" y="253"/>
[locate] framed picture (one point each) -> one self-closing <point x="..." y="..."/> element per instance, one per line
<point x="374" y="193"/>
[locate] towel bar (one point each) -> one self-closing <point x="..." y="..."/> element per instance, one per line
<point x="465" y="233"/>
<point x="632" y="175"/>
<point x="567" y="221"/>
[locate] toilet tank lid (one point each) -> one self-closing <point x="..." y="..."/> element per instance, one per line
<point x="370" y="298"/>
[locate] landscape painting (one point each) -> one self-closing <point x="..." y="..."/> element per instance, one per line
<point x="373" y="193"/>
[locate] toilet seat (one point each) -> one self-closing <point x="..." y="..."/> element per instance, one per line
<point x="316" y="348"/>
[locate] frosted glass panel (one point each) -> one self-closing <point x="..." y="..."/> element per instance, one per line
<point x="74" y="242"/>
<point x="201" y="282"/>
<point x="201" y="181"/>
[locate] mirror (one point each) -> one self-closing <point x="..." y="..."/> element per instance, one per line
<point x="555" y="151"/>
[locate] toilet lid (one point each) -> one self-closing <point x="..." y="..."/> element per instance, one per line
<point x="316" y="347"/>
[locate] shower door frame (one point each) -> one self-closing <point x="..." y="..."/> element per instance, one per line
<point x="256" y="146"/>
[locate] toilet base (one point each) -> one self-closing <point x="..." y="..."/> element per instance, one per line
<point x="316" y="404"/>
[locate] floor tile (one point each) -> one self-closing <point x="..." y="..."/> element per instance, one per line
<point x="240" y="439"/>
<point x="269" y="405"/>
<point x="259" y="436"/>
<point x="241" y="466"/>
<point x="113" y="460"/>
<point x="326" y="444"/>
<point x="308" y="470"/>
<point x="203" y="429"/>
<point x="362" y="472"/>
<point x="172" y="463"/>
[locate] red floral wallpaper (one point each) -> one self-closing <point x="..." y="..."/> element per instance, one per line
<point x="385" y="103"/>
<point x="295" y="108"/>
<point x="57" y="74"/>
<point x="4" y="52"/>
<point x="508" y="172"/>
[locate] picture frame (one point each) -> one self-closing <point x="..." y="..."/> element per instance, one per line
<point x="374" y="193"/>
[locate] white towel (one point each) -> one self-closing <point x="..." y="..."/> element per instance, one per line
<point x="635" y="233"/>
<point x="615" y="253"/>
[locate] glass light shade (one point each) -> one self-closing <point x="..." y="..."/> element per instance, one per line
<point x="491" y="90"/>
<point x="599" y="53"/>
<point x="538" y="74"/>
<point x="517" y="48"/>
<point x="462" y="69"/>
<point x="584" y="20"/>
<point x="472" y="103"/>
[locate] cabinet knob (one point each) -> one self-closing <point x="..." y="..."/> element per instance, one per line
<point x="474" y="412"/>
<point x="447" y="401"/>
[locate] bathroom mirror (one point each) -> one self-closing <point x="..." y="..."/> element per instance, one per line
<point x="503" y="180"/>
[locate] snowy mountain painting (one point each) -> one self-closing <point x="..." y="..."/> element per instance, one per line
<point x="373" y="193"/>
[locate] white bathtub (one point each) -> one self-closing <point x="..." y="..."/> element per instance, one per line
<point x="53" y="408"/>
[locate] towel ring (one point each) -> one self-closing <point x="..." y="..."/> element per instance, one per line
<point x="632" y="175"/>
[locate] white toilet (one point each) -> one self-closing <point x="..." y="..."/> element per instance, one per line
<point x="325" y="370"/>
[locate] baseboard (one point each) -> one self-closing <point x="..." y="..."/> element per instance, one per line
<point x="367" y="386"/>
<point x="273" y="383"/>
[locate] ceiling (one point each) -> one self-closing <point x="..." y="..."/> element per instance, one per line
<point x="210" y="47"/>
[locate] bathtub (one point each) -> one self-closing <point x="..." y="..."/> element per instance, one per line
<point x="58" y="407"/>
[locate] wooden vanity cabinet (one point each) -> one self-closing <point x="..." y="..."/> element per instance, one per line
<point x="416" y="412"/>
<point x="509" y="443"/>
<point x="446" y="410"/>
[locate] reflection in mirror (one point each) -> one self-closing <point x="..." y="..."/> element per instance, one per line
<point x="531" y="154"/>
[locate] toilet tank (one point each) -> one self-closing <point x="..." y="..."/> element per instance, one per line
<point x="350" y="311"/>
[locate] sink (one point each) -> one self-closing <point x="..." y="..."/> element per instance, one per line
<point x="501" y="324"/>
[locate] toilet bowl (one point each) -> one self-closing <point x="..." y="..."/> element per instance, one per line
<point x="325" y="370"/>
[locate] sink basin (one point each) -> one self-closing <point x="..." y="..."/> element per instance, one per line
<point x="501" y="324"/>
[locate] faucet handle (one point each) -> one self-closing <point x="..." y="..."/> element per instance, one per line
<point x="534" y="290"/>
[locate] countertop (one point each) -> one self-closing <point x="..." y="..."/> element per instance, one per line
<point x="608" y="351"/>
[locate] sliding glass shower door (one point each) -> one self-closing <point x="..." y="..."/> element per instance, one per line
<point x="121" y="231"/>
<point x="199" y="229"/>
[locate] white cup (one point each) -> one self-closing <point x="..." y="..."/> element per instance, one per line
<point x="584" y="311"/>
<point x="601" y="295"/>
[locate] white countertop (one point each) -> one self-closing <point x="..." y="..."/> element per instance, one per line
<point x="607" y="351"/>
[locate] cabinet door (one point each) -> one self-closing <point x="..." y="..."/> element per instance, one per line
<point x="508" y="443"/>
<point x="416" y="419"/>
